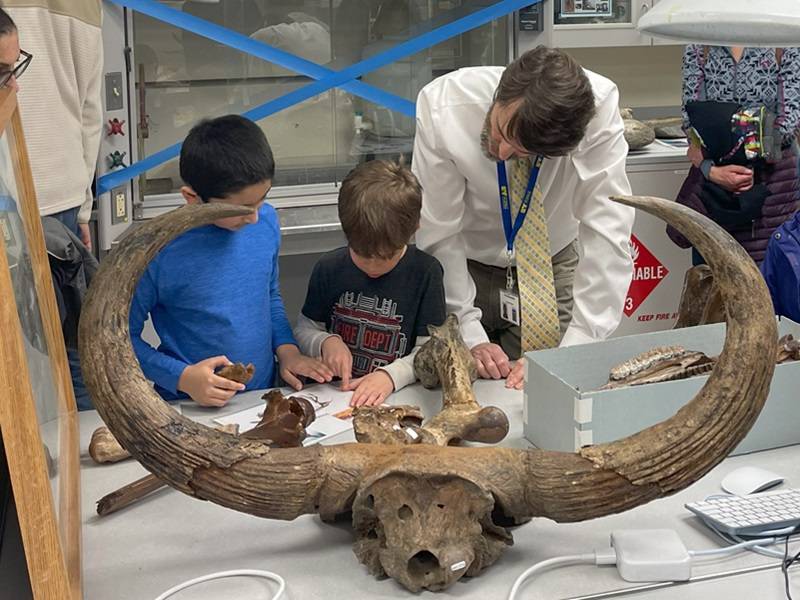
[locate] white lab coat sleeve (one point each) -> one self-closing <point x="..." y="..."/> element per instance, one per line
<point x="605" y="267"/>
<point x="440" y="234"/>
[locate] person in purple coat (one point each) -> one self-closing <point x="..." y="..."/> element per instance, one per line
<point x="748" y="76"/>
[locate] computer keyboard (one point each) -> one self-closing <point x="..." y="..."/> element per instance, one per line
<point x="750" y="515"/>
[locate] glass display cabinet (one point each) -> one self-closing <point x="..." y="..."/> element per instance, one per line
<point x="178" y="77"/>
<point x="39" y="452"/>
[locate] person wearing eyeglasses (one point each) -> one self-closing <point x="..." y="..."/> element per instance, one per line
<point x="557" y="127"/>
<point x="61" y="110"/>
<point x="59" y="47"/>
<point x="13" y="60"/>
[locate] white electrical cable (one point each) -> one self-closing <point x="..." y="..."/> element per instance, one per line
<point x="732" y="549"/>
<point x="560" y="561"/>
<point x="765" y="551"/>
<point x="225" y="574"/>
<point x="607" y="556"/>
<point x="739" y="542"/>
<point x="758" y="549"/>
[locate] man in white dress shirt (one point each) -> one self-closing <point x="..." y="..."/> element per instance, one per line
<point x="543" y="103"/>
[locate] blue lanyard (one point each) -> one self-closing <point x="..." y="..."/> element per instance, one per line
<point x="505" y="200"/>
<point x="7" y="204"/>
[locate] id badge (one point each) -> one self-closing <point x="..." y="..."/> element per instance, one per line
<point x="509" y="307"/>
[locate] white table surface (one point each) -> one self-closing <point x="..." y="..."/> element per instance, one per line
<point x="141" y="551"/>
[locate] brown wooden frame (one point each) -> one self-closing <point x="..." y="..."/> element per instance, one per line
<point x="51" y="534"/>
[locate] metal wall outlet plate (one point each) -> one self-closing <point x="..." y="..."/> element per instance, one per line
<point x="115" y="93"/>
<point x="119" y="205"/>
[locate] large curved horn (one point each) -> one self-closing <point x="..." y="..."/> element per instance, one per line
<point x="197" y="460"/>
<point x="599" y="480"/>
<point x="671" y="455"/>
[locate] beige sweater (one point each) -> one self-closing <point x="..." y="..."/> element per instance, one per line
<point x="60" y="98"/>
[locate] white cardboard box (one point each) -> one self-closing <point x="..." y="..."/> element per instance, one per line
<point x="564" y="410"/>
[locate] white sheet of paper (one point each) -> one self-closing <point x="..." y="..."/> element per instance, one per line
<point x="326" y="400"/>
<point x="326" y="426"/>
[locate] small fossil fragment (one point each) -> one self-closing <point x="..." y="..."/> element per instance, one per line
<point x="637" y="133"/>
<point x="104" y="447"/>
<point x="788" y="349"/>
<point x="238" y="372"/>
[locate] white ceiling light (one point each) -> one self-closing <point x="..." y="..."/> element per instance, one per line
<point x="768" y="23"/>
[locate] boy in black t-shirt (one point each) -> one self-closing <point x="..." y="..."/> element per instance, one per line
<point x="369" y="304"/>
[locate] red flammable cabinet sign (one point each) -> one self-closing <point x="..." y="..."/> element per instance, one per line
<point x="648" y="272"/>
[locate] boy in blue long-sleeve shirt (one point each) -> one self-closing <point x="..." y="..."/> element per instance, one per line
<point x="212" y="293"/>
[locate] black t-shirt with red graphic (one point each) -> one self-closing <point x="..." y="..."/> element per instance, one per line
<point x="378" y="318"/>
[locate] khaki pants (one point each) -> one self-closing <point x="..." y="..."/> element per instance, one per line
<point x="489" y="280"/>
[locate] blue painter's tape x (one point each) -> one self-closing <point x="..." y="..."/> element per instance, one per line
<point x="253" y="47"/>
<point x="329" y="80"/>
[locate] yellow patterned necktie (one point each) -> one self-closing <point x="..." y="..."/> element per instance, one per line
<point x="537" y="294"/>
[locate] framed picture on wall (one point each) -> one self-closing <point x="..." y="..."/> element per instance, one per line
<point x="586" y="8"/>
<point x="38" y="416"/>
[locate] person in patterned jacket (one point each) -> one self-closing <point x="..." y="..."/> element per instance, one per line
<point x="748" y="76"/>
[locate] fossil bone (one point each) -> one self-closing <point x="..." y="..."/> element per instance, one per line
<point x="442" y="359"/>
<point x="668" y="363"/>
<point x="701" y="301"/>
<point x="645" y="360"/>
<point x="387" y="424"/>
<point x="666" y="127"/>
<point x="788" y="349"/>
<point x="507" y="484"/>
<point x="128" y="494"/>
<point x="104" y="447"/>
<point x="271" y="426"/>
<point x="663" y="366"/>
<point x="637" y="133"/>
<point x="284" y="422"/>
<point x="238" y="372"/>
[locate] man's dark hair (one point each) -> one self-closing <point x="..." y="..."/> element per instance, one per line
<point x="222" y="156"/>
<point x="7" y="24"/>
<point x="379" y="206"/>
<point x="556" y="101"/>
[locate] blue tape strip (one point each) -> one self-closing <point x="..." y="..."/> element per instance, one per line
<point x="335" y="79"/>
<point x="263" y="51"/>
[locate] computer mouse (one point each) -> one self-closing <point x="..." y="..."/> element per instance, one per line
<point x="749" y="480"/>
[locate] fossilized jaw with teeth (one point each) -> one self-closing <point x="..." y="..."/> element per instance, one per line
<point x="642" y="361"/>
<point x="248" y="476"/>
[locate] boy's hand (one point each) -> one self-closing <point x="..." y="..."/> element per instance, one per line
<point x="371" y="389"/>
<point x="292" y="363"/>
<point x="204" y="386"/>
<point x="338" y="357"/>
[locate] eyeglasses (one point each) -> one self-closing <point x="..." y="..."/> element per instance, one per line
<point x="18" y="69"/>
